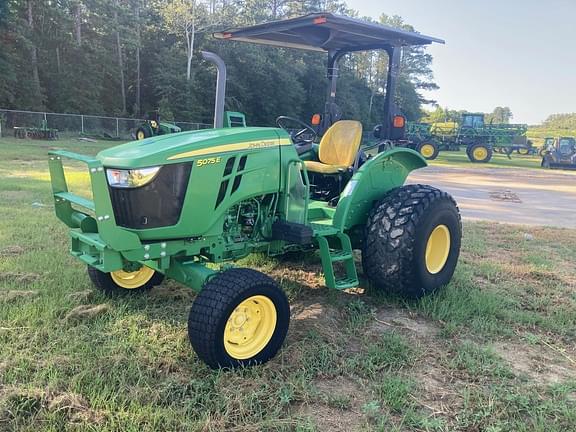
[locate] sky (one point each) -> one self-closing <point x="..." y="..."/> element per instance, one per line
<point x="515" y="53"/>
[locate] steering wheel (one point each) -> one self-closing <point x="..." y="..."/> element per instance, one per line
<point x="306" y="135"/>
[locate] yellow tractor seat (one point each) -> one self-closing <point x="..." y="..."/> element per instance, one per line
<point x="338" y="148"/>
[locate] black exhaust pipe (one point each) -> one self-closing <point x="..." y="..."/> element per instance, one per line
<point x="220" y="87"/>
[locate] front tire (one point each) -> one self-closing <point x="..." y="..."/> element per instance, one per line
<point x="412" y="241"/>
<point x="546" y="162"/>
<point x="121" y="282"/>
<point x="240" y="318"/>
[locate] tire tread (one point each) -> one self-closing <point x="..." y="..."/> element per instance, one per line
<point x="212" y="305"/>
<point x="390" y="236"/>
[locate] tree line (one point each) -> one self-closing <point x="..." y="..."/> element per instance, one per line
<point x="561" y="121"/>
<point x="499" y="115"/>
<point x="126" y="57"/>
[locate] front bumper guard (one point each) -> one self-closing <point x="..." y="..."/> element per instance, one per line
<point x="96" y="239"/>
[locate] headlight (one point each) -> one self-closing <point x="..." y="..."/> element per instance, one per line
<point x="131" y="178"/>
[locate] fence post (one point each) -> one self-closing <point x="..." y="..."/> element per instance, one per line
<point x="82" y="121"/>
<point x="117" y="129"/>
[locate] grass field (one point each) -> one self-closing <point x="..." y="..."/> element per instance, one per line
<point x="538" y="134"/>
<point x="494" y="351"/>
<point x="459" y="158"/>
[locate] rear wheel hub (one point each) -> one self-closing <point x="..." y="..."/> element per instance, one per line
<point x="437" y="249"/>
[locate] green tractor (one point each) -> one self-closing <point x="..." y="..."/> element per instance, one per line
<point x="471" y="131"/>
<point x="561" y="155"/>
<point x="152" y="126"/>
<point x="168" y="206"/>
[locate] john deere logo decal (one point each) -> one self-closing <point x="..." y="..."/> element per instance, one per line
<point x="262" y="144"/>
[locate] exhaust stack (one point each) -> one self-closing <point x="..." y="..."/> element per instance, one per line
<point x="220" y="87"/>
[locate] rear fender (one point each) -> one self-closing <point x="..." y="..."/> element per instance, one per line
<point x="380" y="174"/>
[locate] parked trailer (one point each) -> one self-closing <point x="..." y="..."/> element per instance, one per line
<point x="42" y="132"/>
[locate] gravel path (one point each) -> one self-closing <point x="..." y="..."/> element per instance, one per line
<point x="510" y="195"/>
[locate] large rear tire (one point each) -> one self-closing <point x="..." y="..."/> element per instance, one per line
<point x="142" y="133"/>
<point x="524" y="151"/>
<point x="121" y="282"/>
<point x="479" y="153"/>
<point x="428" y="150"/>
<point x="240" y="318"/>
<point x="412" y="241"/>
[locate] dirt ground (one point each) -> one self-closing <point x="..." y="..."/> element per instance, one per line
<point x="509" y="195"/>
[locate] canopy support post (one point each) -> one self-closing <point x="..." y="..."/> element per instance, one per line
<point x="390" y="108"/>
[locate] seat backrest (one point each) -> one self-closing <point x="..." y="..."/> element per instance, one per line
<point x="341" y="143"/>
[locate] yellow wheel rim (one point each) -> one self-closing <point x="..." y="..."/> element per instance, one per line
<point x="480" y="153"/>
<point x="427" y="150"/>
<point x="250" y="327"/>
<point x="523" y="151"/>
<point x="437" y="249"/>
<point x="140" y="135"/>
<point x="132" y="280"/>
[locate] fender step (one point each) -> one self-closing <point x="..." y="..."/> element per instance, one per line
<point x="292" y="232"/>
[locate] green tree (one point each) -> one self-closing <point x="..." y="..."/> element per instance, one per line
<point x="181" y="18"/>
<point x="500" y="115"/>
<point x="130" y="56"/>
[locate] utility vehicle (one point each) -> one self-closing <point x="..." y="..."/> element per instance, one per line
<point x="152" y="126"/>
<point x="167" y="206"/>
<point x="562" y="154"/>
<point x="549" y="144"/>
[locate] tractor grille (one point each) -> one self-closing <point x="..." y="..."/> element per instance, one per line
<point x="157" y="204"/>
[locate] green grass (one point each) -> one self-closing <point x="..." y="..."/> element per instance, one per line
<point x="493" y="351"/>
<point x="459" y="158"/>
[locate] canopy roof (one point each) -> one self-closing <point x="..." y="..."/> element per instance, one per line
<point x="326" y="32"/>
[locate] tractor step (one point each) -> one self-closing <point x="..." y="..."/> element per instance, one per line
<point x="328" y="239"/>
<point x="340" y="255"/>
<point x="292" y="232"/>
<point x="346" y="283"/>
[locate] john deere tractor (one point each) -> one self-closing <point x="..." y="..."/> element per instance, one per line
<point x="167" y="206"/>
<point x="152" y="126"/>
<point x="479" y="139"/>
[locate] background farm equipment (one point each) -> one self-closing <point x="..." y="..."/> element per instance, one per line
<point x="561" y="155"/>
<point x="548" y="146"/>
<point x="42" y="132"/>
<point x="152" y="126"/>
<point x="479" y="139"/>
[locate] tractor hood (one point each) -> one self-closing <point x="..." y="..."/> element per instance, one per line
<point x="170" y="127"/>
<point x="175" y="148"/>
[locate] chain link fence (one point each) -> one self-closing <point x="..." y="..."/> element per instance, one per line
<point x="78" y="124"/>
